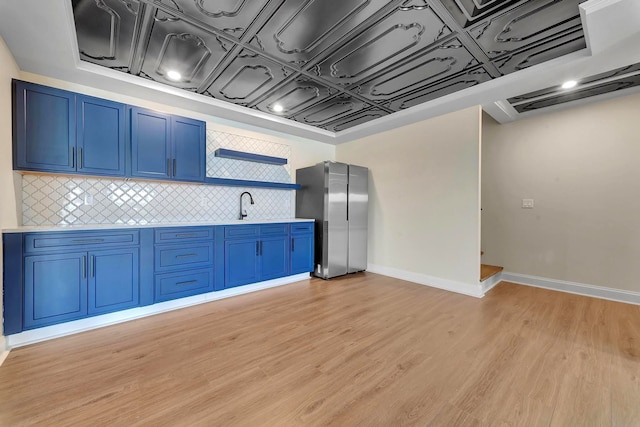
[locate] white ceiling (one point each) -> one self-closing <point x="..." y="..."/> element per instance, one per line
<point x="41" y="37"/>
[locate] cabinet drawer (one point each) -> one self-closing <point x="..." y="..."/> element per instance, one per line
<point x="177" y="285"/>
<point x="274" y="230"/>
<point x="173" y="257"/>
<point x="241" y="231"/>
<point x="301" y="227"/>
<point x="183" y="233"/>
<point x="41" y="242"/>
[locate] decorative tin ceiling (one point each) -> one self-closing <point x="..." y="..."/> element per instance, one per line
<point x="332" y="64"/>
<point x="611" y="81"/>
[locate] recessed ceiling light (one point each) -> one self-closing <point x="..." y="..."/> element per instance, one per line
<point x="569" y="84"/>
<point x="174" y="75"/>
<point x="278" y="108"/>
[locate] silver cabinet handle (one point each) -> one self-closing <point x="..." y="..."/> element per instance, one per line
<point x="186" y="255"/>
<point x="174" y="168"/>
<point x="87" y="241"/>
<point x="92" y="266"/>
<point x="73" y="157"/>
<point x="186" y="283"/>
<point x="186" y="235"/>
<point x="84" y="267"/>
<point x="80" y="158"/>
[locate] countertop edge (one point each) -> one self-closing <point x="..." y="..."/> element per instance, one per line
<point x="97" y="227"/>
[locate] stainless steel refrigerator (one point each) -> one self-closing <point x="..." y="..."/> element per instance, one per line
<point x="336" y="195"/>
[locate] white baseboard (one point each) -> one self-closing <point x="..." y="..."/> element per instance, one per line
<point x="573" y="288"/>
<point x="474" y="290"/>
<point x="68" y="328"/>
<point x="488" y="284"/>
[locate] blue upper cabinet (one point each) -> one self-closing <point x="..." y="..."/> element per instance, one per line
<point x="100" y="136"/>
<point x="167" y="147"/>
<point x="65" y="132"/>
<point x="188" y="148"/>
<point x="150" y="144"/>
<point x="44" y="129"/>
<point x="60" y="131"/>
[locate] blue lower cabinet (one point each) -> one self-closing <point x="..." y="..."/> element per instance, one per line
<point x="274" y="257"/>
<point x="113" y="280"/>
<point x="170" y="286"/>
<point x="255" y="253"/>
<point x="301" y="253"/>
<point x="56" y="277"/>
<point x="72" y="285"/>
<point x="55" y="289"/>
<point x="241" y="264"/>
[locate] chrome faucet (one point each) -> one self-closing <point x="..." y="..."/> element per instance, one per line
<point x="243" y="212"/>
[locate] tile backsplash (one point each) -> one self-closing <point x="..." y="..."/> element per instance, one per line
<point x="66" y="200"/>
<point x="235" y="169"/>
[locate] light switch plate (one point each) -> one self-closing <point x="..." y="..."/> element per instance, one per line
<point x="527" y="203"/>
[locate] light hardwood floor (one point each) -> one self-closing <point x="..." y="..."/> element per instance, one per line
<point x="361" y="350"/>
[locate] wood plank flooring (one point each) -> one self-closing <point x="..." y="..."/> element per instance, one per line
<point x="360" y="350"/>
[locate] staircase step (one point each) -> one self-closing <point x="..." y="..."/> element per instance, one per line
<point x="487" y="271"/>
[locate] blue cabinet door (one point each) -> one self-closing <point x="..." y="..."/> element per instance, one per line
<point x="188" y="149"/>
<point x="55" y="289"/>
<point x="301" y="253"/>
<point x="45" y="137"/>
<point x="101" y="136"/>
<point x="274" y="257"/>
<point x="241" y="262"/>
<point x="113" y="280"/>
<point x="150" y="144"/>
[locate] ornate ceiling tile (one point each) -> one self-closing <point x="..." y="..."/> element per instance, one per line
<point x="105" y="30"/>
<point x="530" y="22"/>
<point x="295" y="96"/>
<point x="232" y="16"/>
<point x="422" y="70"/>
<point x="179" y="47"/>
<point x="299" y="30"/>
<point x="356" y="119"/>
<point x="611" y="81"/>
<point x="460" y="82"/>
<point x="402" y="33"/>
<point x="247" y="78"/>
<point x="330" y="110"/>
<point x="541" y="52"/>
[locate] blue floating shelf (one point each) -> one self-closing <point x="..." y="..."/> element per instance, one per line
<point x="249" y="157"/>
<point x="247" y="183"/>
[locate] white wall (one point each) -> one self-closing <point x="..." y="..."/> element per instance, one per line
<point x="9" y="181"/>
<point x="582" y="168"/>
<point x="424" y="191"/>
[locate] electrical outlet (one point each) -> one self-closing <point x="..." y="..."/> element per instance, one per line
<point x="527" y="203"/>
<point x="88" y="199"/>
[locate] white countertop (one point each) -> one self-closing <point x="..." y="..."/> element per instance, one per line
<point x="46" y="228"/>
